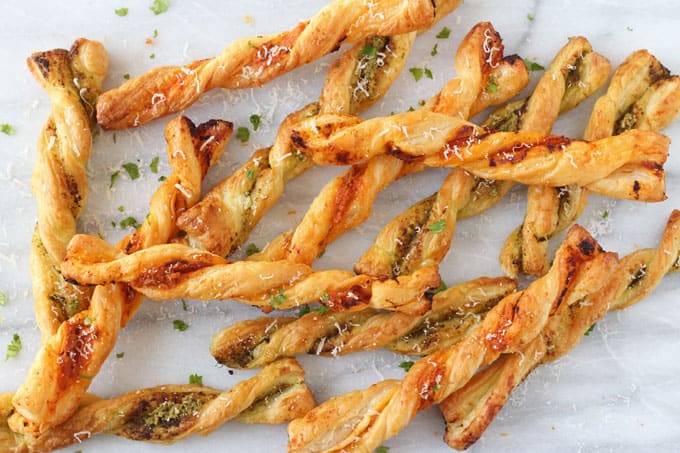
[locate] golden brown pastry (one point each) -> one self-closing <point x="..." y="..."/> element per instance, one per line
<point x="168" y="413"/>
<point x="73" y="80"/>
<point x="642" y="95"/>
<point x="175" y="271"/>
<point x="252" y="62"/>
<point x="346" y="201"/>
<point x="257" y="342"/>
<point x="527" y="157"/>
<point x="68" y="360"/>
<point x="578" y="273"/>
<point x="470" y="410"/>
<point x="223" y="219"/>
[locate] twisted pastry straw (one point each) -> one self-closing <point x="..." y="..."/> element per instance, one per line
<point x="347" y="200"/>
<point x="68" y="360"/>
<point x="223" y="219"/>
<point x="642" y="95"/>
<point x="455" y="311"/>
<point x="470" y="410"/>
<point x="251" y="62"/>
<point x="73" y="80"/>
<point x="382" y="411"/>
<point x="423" y="233"/>
<point x="174" y="271"/>
<point x="527" y="157"/>
<point x="168" y="413"/>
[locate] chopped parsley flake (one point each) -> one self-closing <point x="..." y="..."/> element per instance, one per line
<point x="629" y="28"/>
<point x="87" y="321"/>
<point x="84" y="376"/>
<point x="180" y="325"/>
<point x="185" y="307"/>
<point x="439" y="289"/>
<point x="438" y="226"/>
<point x="444" y="34"/>
<point x="114" y="178"/>
<point x="132" y="170"/>
<point x="121" y="208"/>
<point x="530" y="16"/>
<point x="159" y="6"/>
<point x="243" y="134"/>
<point x="196" y="379"/>
<point x="250" y="174"/>
<point x="129" y="222"/>
<point x="322" y="310"/>
<point x="368" y="51"/>
<point x="3" y="299"/>
<point x="155" y="34"/>
<point x="126" y="76"/>
<point x="255" y="121"/>
<point x="605" y="214"/>
<point x="152" y="56"/>
<point x="533" y="66"/>
<point x="304" y="310"/>
<point x="382" y="449"/>
<point x="406" y="366"/>
<point x="434" y="50"/>
<point x="13" y="347"/>
<point x="590" y="329"/>
<point x="121" y="12"/>
<point x="154" y="164"/>
<point x="7" y="129"/>
<point x="252" y="249"/>
<point x="162" y="178"/>
<point x="492" y="87"/>
<point x="278" y="299"/>
<point x="428" y="73"/>
<point x="120" y="355"/>
<point x="251" y="45"/>
<point x="417" y="73"/>
<point x="325" y="296"/>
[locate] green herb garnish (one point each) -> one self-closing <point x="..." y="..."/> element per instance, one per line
<point x="438" y="226"/>
<point x="152" y="56"/>
<point x="196" y="379"/>
<point x="382" y="449"/>
<point x="590" y="329"/>
<point x="180" y="325"/>
<point x="159" y="6"/>
<point x="428" y="73"/>
<point x="132" y="170"/>
<point x="250" y="174"/>
<point x="434" y="50"/>
<point x="255" y="121"/>
<point x="243" y="134"/>
<point x="155" y="34"/>
<point x="605" y="214"/>
<point x="444" y="34"/>
<point x="277" y="299"/>
<point x="13" y="347"/>
<point x="154" y="164"/>
<point x="417" y="73"/>
<point x="126" y="76"/>
<point x="120" y="355"/>
<point x="114" y="178"/>
<point x="121" y="12"/>
<point x="322" y="310"/>
<point x="252" y="249"/>
<point x="3" y="299"/>
<point x="185" y="307"/>
<point x="406" y="366"/>
<point x="492" y="87"/>
<point x="368" y="51"/>
<point x="533" y="66"/>
<point x="129" y="222"/>
<point x="7" y="129"/>
<point x="304" y="310"/>
<point x="530" y="16"/>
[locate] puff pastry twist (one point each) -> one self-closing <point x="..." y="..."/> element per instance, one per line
<point x="470" y="410"/>
<point x="347" y="200"/>
<point x="68" y="360"/>
<point x="380" y="412"/>
<point x="168" y="413"/>
<point x="175" y="271"/>
<point x="73" y="81"/>
<point x="223" y="219"/>
<point x="528" y="157"/>
<point x="251" y="62"/>
<point x="641" y="95"/>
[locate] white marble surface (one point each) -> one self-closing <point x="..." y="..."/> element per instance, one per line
<point x="617" y="391"/>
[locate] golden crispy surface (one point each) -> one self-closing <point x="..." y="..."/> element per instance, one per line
<point x="251" y="62"/>
<point x="168" y="413"/>
<point x="577" y="274"/>
<point x="68" y="360"/>
<point x="73" y="80"/>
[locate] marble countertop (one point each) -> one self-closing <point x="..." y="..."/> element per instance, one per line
<point x="616" y="391"/>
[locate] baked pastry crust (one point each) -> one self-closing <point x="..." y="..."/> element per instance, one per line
<point x="252" y="62"/>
